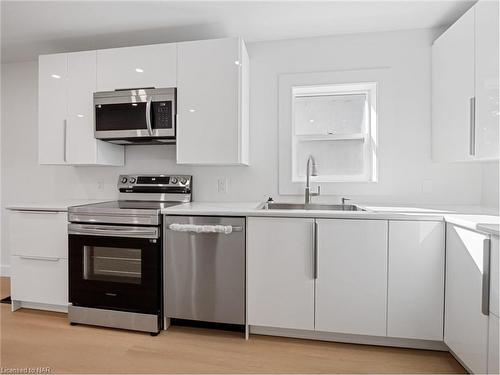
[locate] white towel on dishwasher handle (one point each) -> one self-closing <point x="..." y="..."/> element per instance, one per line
<point x="226" y="229"/>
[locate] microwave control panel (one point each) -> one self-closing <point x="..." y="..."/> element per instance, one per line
<point x="162" y="114"/>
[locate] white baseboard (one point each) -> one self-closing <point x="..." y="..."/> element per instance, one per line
<point x="5" y="270"/>
<point x="351" y="339"/>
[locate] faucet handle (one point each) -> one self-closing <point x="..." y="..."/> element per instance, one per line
<point x="318" y="192"/>
<point x="345" y="200"/>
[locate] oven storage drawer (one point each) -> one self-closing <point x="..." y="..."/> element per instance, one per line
<point x="39" y="280"/>
<point x="38" y="233"/>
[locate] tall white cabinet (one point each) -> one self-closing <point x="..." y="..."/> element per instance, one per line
<point x="67" y="82"/>
<point x="465" y="107"/>
<point x="212" y="102"/>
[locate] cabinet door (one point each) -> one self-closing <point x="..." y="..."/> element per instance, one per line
<point x="416" y="280"/>
<point x="133" y="67"/>
<point x="280" y="272"/>
<point x="466" y="328"/>
<point x="493" y="346"/>
<point x="81" y="145"/>
<point x="208" y="101"/>
<point x="487" y="80"/>
<point x="52" y="70"/>
<point x="495" y="276"/>
<point x="452" y="90"/>
<point x="351" y="288"/>
<point x="39" y="280"/>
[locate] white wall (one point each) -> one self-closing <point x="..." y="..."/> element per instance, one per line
<point x="405" y="163"/>
<point x="490" y="182"/>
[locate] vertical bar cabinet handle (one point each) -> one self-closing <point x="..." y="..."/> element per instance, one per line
<point x="315" y="249"/>
<point x="485" y="300"/>
<point x="472" y="126"/>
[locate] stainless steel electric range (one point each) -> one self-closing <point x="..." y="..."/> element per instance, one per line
<point x="116" y="254"/>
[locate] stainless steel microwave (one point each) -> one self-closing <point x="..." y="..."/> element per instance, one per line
<point x="135" y="116"/>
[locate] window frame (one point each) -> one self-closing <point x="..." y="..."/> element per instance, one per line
<point x="367" y="136"/>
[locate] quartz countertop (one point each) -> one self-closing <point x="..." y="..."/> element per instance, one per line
<point x="473" y="217"/>
<point x="52" y="205"/>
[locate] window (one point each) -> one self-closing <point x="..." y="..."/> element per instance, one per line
<point x="336" y="124"/>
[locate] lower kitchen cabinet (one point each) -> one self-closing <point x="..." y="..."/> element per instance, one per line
<point x="280" y="272"/>
<point x="38" y="244"/>
<point x="416" y="280"/>
<point x="351" y="284"/>
<point x="466" y="327"/>
<point x="493" y="346"/>
<point x="281" y="292"/>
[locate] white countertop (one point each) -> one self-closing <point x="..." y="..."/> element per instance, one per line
<point x="472" y="217"/>
<point x="52" y="206"/>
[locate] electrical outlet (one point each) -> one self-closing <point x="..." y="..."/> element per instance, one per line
<point x="100" y="185"/>
<point x="222" y="185"/>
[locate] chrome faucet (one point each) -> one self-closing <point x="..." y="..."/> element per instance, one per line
<point x="314" y="172"/>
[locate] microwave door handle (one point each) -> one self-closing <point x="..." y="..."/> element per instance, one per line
<point x="148" y="116"/>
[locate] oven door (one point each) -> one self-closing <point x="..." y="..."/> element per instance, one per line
<point x="135" y="114"/>
<point x="115" y="267"/>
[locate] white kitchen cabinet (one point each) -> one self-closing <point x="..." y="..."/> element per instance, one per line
<point x="52" y="97"/>
<point x="351" y="285"/>
<point x="39" y="280"/>
<point x="487" y="80"/>
<point x="466" y="327"/>
<point x="66" y="115"/>
<point x="465" y="101"/>
<point x="81" y="146"/>
<point x="137" y="67"/>
<point x="452" y="90"/>
<point x="280" y="272"/>
<point x="38" y="244"/>
<point x="493" y="346"/>
<point x="495" y="276"/>
<point x="416" y="280"/>
<point x="212" y="102"/>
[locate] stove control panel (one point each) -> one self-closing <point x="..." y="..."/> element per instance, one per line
<point x="130" y="183"/>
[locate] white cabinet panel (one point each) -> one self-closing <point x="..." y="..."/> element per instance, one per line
<point x="493" y="346"/>
<point x="487" y="80"/>
<point x="38" y="233"/>
<point x="52" y="72"/>
<point x="351" y="288"/>
<point x="280" y="272"/>
<point x="212" y="102"/>
<point x="466" y="328"/>
<point x="452" y="89"/>
<point x="81" y="146"/>
<point x="39" y="280"/>
<point x="495" y="276"/>
<point x="133" y="67"/>
<point x="416" y="280"/>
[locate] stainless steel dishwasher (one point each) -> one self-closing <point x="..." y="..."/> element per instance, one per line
<point x="205" y="268"/>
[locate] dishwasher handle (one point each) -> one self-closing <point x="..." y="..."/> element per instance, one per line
<point x="194" y="228"/>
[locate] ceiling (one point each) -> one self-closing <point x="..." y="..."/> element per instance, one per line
<point x="29" y="28"/>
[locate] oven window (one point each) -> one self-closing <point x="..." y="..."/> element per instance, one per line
<point x="114" y="264"/>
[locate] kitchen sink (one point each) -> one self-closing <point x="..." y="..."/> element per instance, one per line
<point x="312" y="206"/>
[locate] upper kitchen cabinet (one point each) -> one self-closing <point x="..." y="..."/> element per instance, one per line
<point x="453" y="90"/>
<point x="465" y="108"/>
<point x="66" y="118"/>
<point x="137" y="67"/>
<point x="212" y="102"/>
<point x="487" y="84"/>
<point x="52" y="71"/>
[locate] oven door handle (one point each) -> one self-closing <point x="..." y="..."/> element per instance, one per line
<point x="114" y="231"/>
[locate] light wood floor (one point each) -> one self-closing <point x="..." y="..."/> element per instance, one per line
<point x="32" y="338"/>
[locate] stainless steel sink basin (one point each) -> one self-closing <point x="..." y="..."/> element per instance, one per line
<point x="312" y="206"/>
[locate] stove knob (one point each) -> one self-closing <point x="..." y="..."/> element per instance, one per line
<point x="183" y="181"/>
<point x="124" y="180"/>
<point x="132" y="180"/>
<point x="173" y="180"/>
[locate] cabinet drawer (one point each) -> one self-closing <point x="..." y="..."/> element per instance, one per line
<point x="38" y="233"/>
<point x="39" y="280"/>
